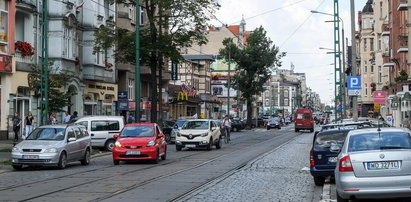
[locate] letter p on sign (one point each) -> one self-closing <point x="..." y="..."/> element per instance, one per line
<point x="354" y="82"/>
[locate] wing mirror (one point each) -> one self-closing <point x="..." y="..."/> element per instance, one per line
<point x="161" y="135"/>
<point x="335" y="148"/>
<point x="115" y="136"/>
<point x="175" y="126"/>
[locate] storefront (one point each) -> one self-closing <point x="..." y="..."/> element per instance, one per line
<point x="99" y="98"/>
<point x="183" y="102"/>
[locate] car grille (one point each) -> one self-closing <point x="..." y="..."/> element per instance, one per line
<point x="33" y="160"/>
<point x="190" y="137"/>
<point x="133" y="156"/>
<point x="31" y="150"/>
<point x="134" y="147"/>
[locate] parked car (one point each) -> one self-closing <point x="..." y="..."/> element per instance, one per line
<point x="199" y="133"/>
<point x="236" y="125"/>
<point x="102" y="129"/>
<point x="176" y="127"/>
<point x="304" y="120"/>
<point x="375" y="164"/>
<point x="167" y="130"/>
<point x="273" y="123"/>
<point x="346" y="125"/>
<point x="323" y="154"/>
<point x="53" y="145"/>
<point x="140" y="141"/>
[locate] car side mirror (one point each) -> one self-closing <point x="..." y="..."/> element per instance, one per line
<point x="335" y="148"/>
<point x="115" y="136"/>
<point x="175" y="126"/>
<point x="161" y="135"/>
<point x="71" y="139"/>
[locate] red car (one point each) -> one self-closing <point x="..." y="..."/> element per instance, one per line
<point x="140" y="141"/>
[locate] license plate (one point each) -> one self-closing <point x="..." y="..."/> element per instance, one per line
<point x="133" y="152"/>
<point x="332" y="159"/>
<point x="383" y="165"/>
<point x="190" y="145"/>
<point x="30" y="157"/>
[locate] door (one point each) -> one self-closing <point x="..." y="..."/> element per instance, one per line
<point x="82" y="143"/>
<point x="72" y="148"/>
<point x="22" y="107"/>
<point x="99" y="132"/>
<point x="160" y="141"/>
<point x="214" y="132"/>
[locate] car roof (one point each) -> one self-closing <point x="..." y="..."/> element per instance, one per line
<point x="200" y="120"/>
<point x="98" y="117"/>
<point x="61" y="126"/>
<point x="141" y="124"/>
<point x="335" y="130"/>
<point x="375" y="130"/>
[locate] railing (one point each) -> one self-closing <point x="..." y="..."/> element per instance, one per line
<point x="25" y="59"/>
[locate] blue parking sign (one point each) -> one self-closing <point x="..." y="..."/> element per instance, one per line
<point x="353" y="82"/>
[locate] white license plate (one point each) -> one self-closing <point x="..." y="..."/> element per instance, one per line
<point x="383" y="165"/>
<point x="30" y="157"/>
<point x="133" y="152"/>
<point x="190" y="145"/>
<point x="332" y="159"/>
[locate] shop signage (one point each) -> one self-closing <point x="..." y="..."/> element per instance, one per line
<point x="182" y="96"/>
<point x="174" y="70"/>
<point x="122" y="105"/>
<point x="190" y="90"/>
<point x="122" y="94"/>
<point x="5" y="63"/>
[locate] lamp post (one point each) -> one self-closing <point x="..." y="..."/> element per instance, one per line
<point x="137" y="67"/>
<point x="44" y="90"/>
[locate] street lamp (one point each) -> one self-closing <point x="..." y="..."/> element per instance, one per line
<point x="342" y="78"/>
<point x="137" y="67"/>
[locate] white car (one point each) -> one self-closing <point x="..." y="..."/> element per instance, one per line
<point x="199" y="133"/>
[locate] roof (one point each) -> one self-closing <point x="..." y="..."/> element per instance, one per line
<point x="368" y="7"/>
<point x="375" y="130"/>
<point x="198" y="57"/>
<point x="56" y="126"/>
<point x="235" y="29"/>
<point x="140" y="124"/>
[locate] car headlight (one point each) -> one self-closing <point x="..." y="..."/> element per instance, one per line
<point x="51" y="150"/>
<point x="118" y="144"/>
<point x="204" y="134"/>
<point x="16" y="149"/>
<point x="151" y="143"/>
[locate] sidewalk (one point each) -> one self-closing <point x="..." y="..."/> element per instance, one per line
<point x="5" y="145"/>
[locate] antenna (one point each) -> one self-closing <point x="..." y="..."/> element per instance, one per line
<point x="378" y="125"/>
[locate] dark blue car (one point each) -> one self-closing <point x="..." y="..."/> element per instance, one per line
<point x="324" y="152"/>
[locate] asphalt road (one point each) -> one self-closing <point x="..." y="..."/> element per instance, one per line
<point x="183" y="176"/>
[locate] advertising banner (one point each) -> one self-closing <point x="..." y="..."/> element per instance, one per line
<point x="222" y="65"/>
<point x="222" y="91"/>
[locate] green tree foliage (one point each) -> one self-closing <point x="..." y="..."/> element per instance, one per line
<point x="171" y="25"/>
<point x="58" y="99"/>
<point x="255" y="63"/>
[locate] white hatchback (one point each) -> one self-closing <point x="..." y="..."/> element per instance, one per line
<point x="199" y="133"/>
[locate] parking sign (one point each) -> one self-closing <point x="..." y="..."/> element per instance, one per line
<point x="354" y="82"/>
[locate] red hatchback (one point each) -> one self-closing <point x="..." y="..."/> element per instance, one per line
<point x="140" y="141"/>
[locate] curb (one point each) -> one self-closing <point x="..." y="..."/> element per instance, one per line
<point x="326" y="195"/>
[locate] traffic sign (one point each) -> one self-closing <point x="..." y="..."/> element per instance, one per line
<point x="354" y="82"/>
<point x="354" y="92"/>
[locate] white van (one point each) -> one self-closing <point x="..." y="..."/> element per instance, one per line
<point x="102" y="129"/>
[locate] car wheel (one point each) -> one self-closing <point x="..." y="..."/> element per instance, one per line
<point x="62" y="161"/>
<point x="158" y="157"/>
<point x="164" y="155"/>
<point x="168" y="138"/>
<point x="311" y="130"/>
<point x="178" y="148"/>
<point x="116" y="162"/>
<point x="296" y="130"/>
<point x="268" y="128"/>
<point x="279" y="128"/>
<point x="218" y="144"/>
<point x="339" y="199"/>
<point x="319" y="181"/>
<point x="235" y="129"/>
<point x="86" y="159"/>
<point x="109" y="145"/>
<point x="17" y="167"/>
<point x="210" y="144"/>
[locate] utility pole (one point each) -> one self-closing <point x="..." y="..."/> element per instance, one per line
<point x="354" y="59"/>
<point x="44" y="85"/>
<point x="229" y="81"/>
<point x="337" y="58"/>
<point x="137" y="68"/>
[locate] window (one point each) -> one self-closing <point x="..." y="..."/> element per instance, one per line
<point x="379" y="42"/>
<point x="286" y="102"/>
<point x="379" y="74"/>
<point x="381" y="10"/>
<point x="366" y="89"/>
<point x="267" y="102"/>
<point x="372" y="69"/>
<point x="70" y="133"/>
<point x="70" y="47"/>
<point x="365" y="44"/>
<point x="130" y="89"/>
<point x="3" y="26"/>
<point x="79" y="134"/>
<point x="83" y="123"/>
<point x="371" y="44"/>
<point x="132" y="13"/>
<point x="285" y="93"/>
<point x="113" y="125"/>
<point x="99" y="126"/>
<point x="365" y="68"/>
<point x="141" y="15"/>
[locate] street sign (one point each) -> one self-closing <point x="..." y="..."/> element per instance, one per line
<point x="354" y="82"/>
<point x="354" y="92"/>
<point x="379" y="97"/>
<point x="377" y="106"/>
<point x="122" y="95"/>
<point x="174" y="70"/>
<point x="389" y="119"/>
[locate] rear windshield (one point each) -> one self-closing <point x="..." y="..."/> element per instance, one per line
<point x="323" y="141"/>
<point x="375" y="141"/>
<point x="137" y="131"/>
<point x="304" y="116"/>
<point x="47" y="134"/>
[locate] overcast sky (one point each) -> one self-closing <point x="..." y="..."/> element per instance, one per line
<point x="292" y="27"/>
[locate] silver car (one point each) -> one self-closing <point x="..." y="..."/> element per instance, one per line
<point x="374" y="163"/>
<point x="53" y="145"/>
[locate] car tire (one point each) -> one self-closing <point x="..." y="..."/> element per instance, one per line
<point x="210" y="144"/>
<point x="86" y="160"/>
<point x="178" y="148"/>
<point x="235" y="129"/>
<point x="158" y="157"/>
<point x="164" y="157"/>
<point x="168" y="138"/>
<point x="279" y="128"/>
<point x="311" y="130"/>
<point x="218" y="144"/>
<point x="296" y="130"/>
<point x="62" y="161"/>
<point x="268" y="128"/>
<point x="339" y="199"/>
<point x="17" y="167"/>
<point x="109" y="145"/>
<point x="319" y="181"/>
<point x="116" y="162"/>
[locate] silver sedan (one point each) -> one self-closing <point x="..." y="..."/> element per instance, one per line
<point x="374" y="163"/>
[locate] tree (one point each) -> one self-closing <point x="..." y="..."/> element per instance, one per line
<point x="255" y="63"/>
<point x="58" y="99"/>
<point x="171" y="26"/>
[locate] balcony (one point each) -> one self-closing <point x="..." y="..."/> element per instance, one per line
<point x="29" y="5"/>
<point x="387" y="60"/>
<point x="403" y="45"/>
<point x="402" y="6"/>
<point x="24" y="59"/>
<point x="385" y="30"/>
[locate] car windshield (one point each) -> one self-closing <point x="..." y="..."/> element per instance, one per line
<point x="196" y="125"/>
<point x="137" y="131"/>
<point x="323" y="141"/>
<point x="381" y="141"/>
<point x="272" y="121"/>
<point x="180" y="123"/>
<point x="47" y="134"/>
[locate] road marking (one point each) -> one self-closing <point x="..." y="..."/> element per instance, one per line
<point x="305" y="169"/>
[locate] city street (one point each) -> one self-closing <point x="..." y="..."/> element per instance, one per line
<point x="257" y="165"/>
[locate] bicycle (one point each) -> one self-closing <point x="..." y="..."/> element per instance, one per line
<point x="224" y="135"/>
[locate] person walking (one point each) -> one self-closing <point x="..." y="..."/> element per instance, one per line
<point x="67" y="117"/>
<point x="52" y="119"/>
<point x="406" y="122"/>
<point x="16" y="126"/>
<point x="28" y="124"/>
<point x="226" y="124"/>
<point x="74" y="116"/>
<point x="131" y="119"/>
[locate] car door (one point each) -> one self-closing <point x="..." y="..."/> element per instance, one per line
<point x="99" y="132"/>
<point x="72" y="147"/>
<point x="82" y="142"/>
<point x="214" y="132"/>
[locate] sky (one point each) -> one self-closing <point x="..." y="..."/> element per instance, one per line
<point x="295" y="30"/>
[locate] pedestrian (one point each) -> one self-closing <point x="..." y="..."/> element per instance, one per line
<point x="67" y="117"/>
<point x="406" y="122"/>
<point x="181" y="117"/>
<point x="52" y="119"/>
<point x="16" y="126"/>
<point x="29" y="124"/>
<point x="74" y="116"/>
<point x="131" y="119"/>
<point x="226" y="124"/>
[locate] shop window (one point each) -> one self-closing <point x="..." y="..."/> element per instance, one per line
<point x="3" y="27"/>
